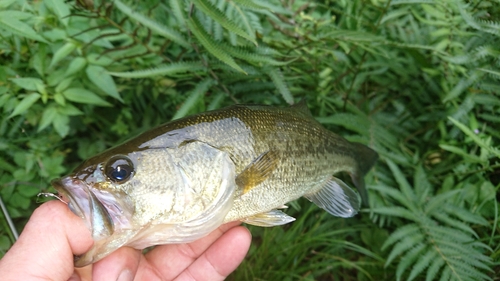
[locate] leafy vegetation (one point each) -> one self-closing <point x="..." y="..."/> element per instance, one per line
<point x="416" y="80"/>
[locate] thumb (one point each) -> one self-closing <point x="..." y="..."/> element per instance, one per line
<point x="46" y="246"/>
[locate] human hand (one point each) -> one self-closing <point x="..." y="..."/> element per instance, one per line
<point x="53" y="235"/>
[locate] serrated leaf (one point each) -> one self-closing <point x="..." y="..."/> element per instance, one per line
<point x="403" y="245"/>
<point x="402" y="182"/>
<point x="217" y="15"/>
<point x="438" y="200"/>
<point x="164" y="70"/>
<point x="200" y="89"/>
<point x="422" y="263"/>
<point x="475" y="138"/>
<point x="59" y="8"/>
<point x="454" y="223"/>
<point x="461" y="152"/>
<point x="8" y="22"/>
<point x="400" y="233"/>
<point x="209" y="44"/>
<point x="84" y="96"/>
<point x="465" y="215"/>
<point x="251" y="56"/>
<point x="61" y="53"/>
<point x="28" y="83"/>
<point x="395" y="211"/>
<point x="25" y="104"/>
<point x="153" y="25"/>
<point x="279" y="81"/>
<point x="101" y="78"/>
<point x="408" y="259"/>
<point x="434" y="269"/>
<point x="178" y="11"/>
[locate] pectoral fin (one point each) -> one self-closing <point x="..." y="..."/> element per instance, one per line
<point x="257" y="171"/>
<point x="336" y="198"/>
<point x="271" y="218"/>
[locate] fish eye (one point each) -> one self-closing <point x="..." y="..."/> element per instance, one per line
<point x="119" y="169"/>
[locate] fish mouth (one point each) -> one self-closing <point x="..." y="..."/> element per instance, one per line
<point x="84" y="203"/>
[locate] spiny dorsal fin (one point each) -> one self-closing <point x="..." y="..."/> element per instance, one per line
<point x="336" y="198"/>
<point x="268" y="219"/>
<point x="257" y="171"/>
<point x="301" y="107"/>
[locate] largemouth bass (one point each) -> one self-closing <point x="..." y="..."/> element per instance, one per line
<point x="179" y="181"/>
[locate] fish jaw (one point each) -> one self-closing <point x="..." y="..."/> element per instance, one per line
<point x="84" y="203"/>
<point x="100" y="212"/>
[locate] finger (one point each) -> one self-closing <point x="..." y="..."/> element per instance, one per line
<point x="120" y="265"/>
<point x="168" y="261"/>
<point x="46" y="246"/>
<point x="222" y="258"/>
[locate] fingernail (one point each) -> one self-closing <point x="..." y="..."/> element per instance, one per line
<point x="126" y="275"/>
<point x="74" y="277"/>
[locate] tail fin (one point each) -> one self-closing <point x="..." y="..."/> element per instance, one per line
<point x="366" y="158"/>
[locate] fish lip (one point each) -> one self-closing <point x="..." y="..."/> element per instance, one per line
<point x="82" y="201"/>
<point x="66" y="188"/>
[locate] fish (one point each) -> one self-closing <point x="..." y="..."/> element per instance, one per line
<point x="181" y="180"/>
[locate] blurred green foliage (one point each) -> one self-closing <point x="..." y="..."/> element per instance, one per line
<point x="416" y="80"/>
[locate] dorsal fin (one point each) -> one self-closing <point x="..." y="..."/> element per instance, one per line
<point x="301" y="107"/>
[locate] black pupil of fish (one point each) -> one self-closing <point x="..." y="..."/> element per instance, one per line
<point x="119" y="169"/>
<point x="120" y="173"/>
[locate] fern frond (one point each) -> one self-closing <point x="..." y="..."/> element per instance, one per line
<point x="217" y="15"/>
<point x="153" y="25"/>
<point x="422" y="263"/>
<point x="178" y="9"/>
<point x="464" y="215"/>
<point x="399" y="234"/>
<point x="251" y="57"/>
<point x="200" y="89"/>
<point x="279" y="81"/>
<point x="165" y="70"/>
<point x="211" y="45"/>
<point x="493" y="150"/>
<point x="409" y="258"/>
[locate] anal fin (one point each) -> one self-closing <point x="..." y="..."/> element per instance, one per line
<point x="336" y="198"/>
<point x="268" y="219"/>
<point x="257" y="171"/>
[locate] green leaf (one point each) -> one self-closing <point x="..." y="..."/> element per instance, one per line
<point x="165" y="70"/>
<point x="8" y="22"/>
<point x="200" y="89"/>
<point x="25" y="104"/>
<point x="59" y="8"/>
<point x="28" y="83"/>
<point x="409" y="258"/>
<point x="62" y="53"/>
<point x="61" y="125"/>
<point x="101" y="78"/>
<point x="75" y="66"/>
<point x="47" y="117"/>
<point x="217" y="15"/>
<point x="279" y="81"/>
<point x="6" y="3"/>
<point x="211" y="45"/>
<point x="69" y="110"/>
<point x="84" y="96"/>
<point x="153" y="25"/>
<point x="475" y="138"/>
<point x="402" y="182"/>
<point x="459" y="151"/>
